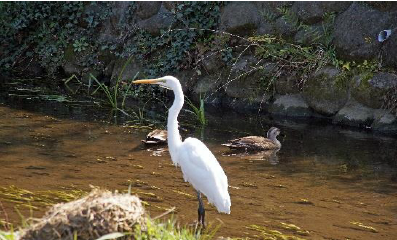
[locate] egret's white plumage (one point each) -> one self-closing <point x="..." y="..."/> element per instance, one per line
<point x="203" y="171"/>
<point x="199" y="166"/>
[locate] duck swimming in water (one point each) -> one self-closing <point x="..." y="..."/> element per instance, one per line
<point x="156" y="137"/>
<point x="256" y="143"/>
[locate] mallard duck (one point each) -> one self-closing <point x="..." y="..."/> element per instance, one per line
<point x="156" y="137"/>
<point x="256" y="143"/>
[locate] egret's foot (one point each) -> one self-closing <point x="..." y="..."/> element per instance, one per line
<point x="201" y="210"/>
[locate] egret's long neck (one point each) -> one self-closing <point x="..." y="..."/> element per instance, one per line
<point x="174" y="139"/>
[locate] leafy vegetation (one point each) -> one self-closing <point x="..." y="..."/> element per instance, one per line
<point x="113" y="93"/>
<point x="169" y="230"/>
<point x="198" y="112"/>
<point x="56" y="33"/>
<point x="289" y="57"/>
<point x="11" y="235"/>
<point x="177" y="49"/>
<point x="313" y="52"/>
<point x="42" y="32"/>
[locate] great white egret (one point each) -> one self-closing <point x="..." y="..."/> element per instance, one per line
<point x="156" y="137"/>
<point x="199" y="166"/>
<point x="256" y="143"/>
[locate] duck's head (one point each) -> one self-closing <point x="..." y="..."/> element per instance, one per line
<point x="273" y="133"/>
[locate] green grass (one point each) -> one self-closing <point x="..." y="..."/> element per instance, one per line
<point x="155" y="229"/>
<point x="198" y="112"/>
<point x="112" y="93"/>
<point x="169" y="230"/>
<point x="11" y="235"/>
<point x="166" y="230"/>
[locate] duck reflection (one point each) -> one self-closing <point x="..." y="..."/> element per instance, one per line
<point x="267" y="155"/>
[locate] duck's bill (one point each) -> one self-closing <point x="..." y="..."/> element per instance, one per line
<point x="146" y="81"/>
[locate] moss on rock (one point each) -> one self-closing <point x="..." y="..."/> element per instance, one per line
<point x="370" y="89"/>
<point x="323" y="94"/>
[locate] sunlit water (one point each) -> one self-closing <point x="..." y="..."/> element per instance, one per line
<point x="333" y="183"/>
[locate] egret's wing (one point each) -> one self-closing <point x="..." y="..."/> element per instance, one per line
<point x="202" y="170"/>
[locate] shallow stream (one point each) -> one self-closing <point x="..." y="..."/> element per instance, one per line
<point x="331" y="182"/>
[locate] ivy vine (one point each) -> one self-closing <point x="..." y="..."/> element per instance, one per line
<point x="42" y="31"/>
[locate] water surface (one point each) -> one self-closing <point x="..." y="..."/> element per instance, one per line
<point x="332" y="182"/>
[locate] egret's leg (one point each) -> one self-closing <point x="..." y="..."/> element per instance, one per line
<point x="201" y="210"/>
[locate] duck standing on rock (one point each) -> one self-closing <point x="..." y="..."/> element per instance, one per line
<point x="256" y="143"/>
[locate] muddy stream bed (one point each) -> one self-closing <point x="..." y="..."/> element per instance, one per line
<point x="331" y="182"/>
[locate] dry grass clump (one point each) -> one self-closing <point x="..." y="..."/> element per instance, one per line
<point x="100" y="213"/>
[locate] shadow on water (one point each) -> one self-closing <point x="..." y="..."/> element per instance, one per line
<point x="325" y="178"/>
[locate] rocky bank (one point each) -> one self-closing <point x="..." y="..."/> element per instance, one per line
<point x="359" y="99"/>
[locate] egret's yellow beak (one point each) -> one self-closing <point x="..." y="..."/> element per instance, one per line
<point x="147" y="81"/>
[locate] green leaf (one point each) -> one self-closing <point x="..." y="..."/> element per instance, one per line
<point x="346" y="66"/>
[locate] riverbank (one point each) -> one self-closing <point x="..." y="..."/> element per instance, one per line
<point x="286" y="59"/>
